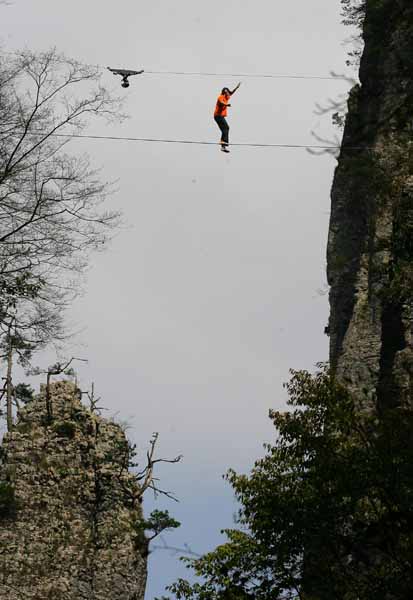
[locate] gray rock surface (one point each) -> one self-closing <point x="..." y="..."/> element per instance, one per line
<point x="370" y="246"/>
<point x="72" y="532"/>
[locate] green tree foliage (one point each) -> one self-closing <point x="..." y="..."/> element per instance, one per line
<point x="24" y="392"/>
<point x="158" y="522"/>
<point x="327" y="513"/>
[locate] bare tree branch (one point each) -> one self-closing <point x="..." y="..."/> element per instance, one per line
<point x="146" y="476"/>
<point x="93" y="402"/>
<point x="176" y="550"/>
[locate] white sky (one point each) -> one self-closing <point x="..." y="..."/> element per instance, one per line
<point x="210" y="294"/>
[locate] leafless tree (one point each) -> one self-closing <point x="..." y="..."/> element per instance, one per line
<point x="51" y="202"/>
<point x="185" y="550"/>
<point x="93" y="400"/>
<point x="146" y="478"/>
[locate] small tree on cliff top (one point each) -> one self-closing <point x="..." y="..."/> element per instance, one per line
<point x="327" y="513"/>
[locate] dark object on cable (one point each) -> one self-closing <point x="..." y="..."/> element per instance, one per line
<point x="125" y="73"/>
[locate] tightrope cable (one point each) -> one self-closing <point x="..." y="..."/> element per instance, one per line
<point x="203" y="142"/>
<point x="250" y="75"/>
<point x="330" y="77"/>
<point x="197" y="142"/>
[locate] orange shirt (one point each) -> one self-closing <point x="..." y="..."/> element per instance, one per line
<point x="221" y="106"/>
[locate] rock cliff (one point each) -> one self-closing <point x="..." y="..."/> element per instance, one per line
<point x="370" y="246"/>
<point x="69" y="507"/>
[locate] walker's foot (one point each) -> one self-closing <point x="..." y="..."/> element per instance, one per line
<point x="224" y="149"/>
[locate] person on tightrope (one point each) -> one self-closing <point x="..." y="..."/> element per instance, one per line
<point x="221" y="112"/>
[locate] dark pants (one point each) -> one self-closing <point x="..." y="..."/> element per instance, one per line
<point x="224" y="127"/>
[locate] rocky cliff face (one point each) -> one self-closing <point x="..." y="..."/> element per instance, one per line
<point x="69" y="508"/>
<point x="370" y="247"/>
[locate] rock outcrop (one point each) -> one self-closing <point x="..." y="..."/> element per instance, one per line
<point x="70" y="510"/>
<point x="370" y="247"/>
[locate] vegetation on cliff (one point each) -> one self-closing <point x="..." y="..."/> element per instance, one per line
<point x="328" y="509"/>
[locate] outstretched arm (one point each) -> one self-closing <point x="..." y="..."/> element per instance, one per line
<point x="235" y="88"/>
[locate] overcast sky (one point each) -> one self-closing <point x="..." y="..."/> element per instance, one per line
<point x="215" y="286"/>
